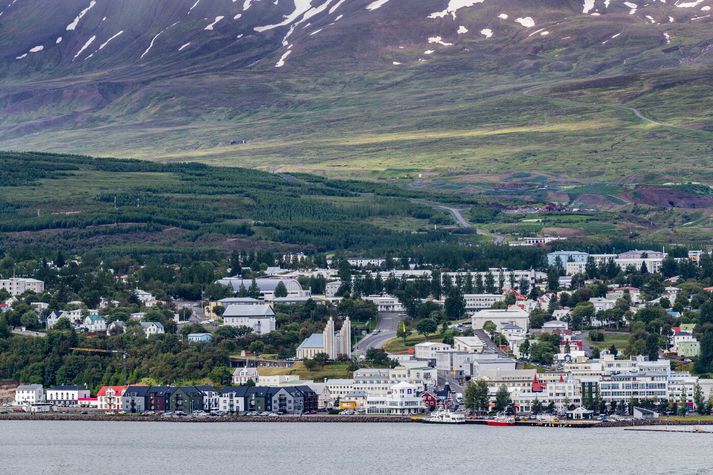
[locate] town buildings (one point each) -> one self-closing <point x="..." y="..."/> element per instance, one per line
<point x="266" y="286"/>
<point x="259" y="318"/>
<point x="402" y="399"/>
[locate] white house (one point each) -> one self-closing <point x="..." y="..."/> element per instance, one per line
<point x="29" y="394"/>
<point x="427" y="350"/>
<point x="261" y="318"/>
<point x="66" y="396"/>
<point x="243" y="375"/>
<point x="146" y="298"/>
<point x="94" y="324"/>
<point x="152" y="328"/>
<point x="116" y="327"/>
<point x="403" y="399"/>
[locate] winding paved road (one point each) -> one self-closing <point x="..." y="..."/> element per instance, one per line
<point x="639" y="115"/>
<point x="385" y="330"/>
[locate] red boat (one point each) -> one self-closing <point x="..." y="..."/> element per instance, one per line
<point x="502" y="422"/>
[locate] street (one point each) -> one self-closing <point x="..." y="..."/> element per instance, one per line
<point x="385" y="330"/>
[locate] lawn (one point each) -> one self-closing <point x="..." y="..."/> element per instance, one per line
<point x="397" y="345"/>
<point x="329" y="371"/>
<point x="620" y="340"/>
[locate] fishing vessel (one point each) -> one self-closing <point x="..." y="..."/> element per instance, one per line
<point x="502" y="421"/>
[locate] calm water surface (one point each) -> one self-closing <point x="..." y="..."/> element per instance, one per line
<point x="50" y="447"/>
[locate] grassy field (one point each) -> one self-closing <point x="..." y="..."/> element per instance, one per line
<point x="620" y="340"/>
<point x="397" y="346"/>
<point x="329" y="371"/>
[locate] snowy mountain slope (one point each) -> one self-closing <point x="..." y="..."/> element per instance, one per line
<point x="107" y="76"/>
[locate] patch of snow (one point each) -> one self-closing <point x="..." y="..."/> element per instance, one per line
<point x="706" y="9"/>
<point x="86" y="45"/>
<point x="487" y="32"/>
<point x="289" y="33"/>
<point x="699" y="17"/>
<point x="692" y="4"/>
<point x="588" y="6"/>
<point x="37" y="49"/>
<point x="184" y="46"/>
<point x="633" y="7"/>
<point x="194" y="6"/>
<point x="59" y="40"/>
<point x="73" y="26"/>
<point x="503" y="16"/>
<point x="527" y="22"/>
<point x="668" y="38"/>
<point x="247" y="4"/>
<point x="103" y="45"/>
<point x="612" y="38"/>
<point x="217" y="20"/>
<point x="377" y="4"/>
<point x="671" y="19"/>
<point x="238" y="16"/>
<point x="338" y="18"/>
<point x="430" y="51"/>
<point x="315" y="32"/>
<point x="462" y="30"/>
<point x="301" y="8"/>
<point x="650" y="18"/>
<point x="439" y="41"/>
<point x="453" y="7"/>
<point x="544" y="33"/>
<point x="153" y="40"/>
<point x="283" y="58"/>
<point x="22" y="56"/>
<point x="396" y="63"/>
<point x="337" y="5"/>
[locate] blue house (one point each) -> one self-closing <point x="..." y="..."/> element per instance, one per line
<point x="200" y="337"/>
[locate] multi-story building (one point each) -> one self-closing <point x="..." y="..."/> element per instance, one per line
<point x="29" y="394"/>
<point x="427" y="350"/>
<point x="402" y="399"/>
<point x="475" y="302"/>
<point x="66" y="396"/>
<point x="16" y="286"/>
<point x="260" y="318"/>
<point x="109" y="398"/>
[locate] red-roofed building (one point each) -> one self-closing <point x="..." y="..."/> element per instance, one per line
<point x="537" y="386"/>
<point x="109" y="398"/>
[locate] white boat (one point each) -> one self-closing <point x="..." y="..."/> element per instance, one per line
<point x="445" y="417"/>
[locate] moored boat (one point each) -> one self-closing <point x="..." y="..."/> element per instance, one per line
<point x="502" y="421"/>
<point x="444" y="417"/>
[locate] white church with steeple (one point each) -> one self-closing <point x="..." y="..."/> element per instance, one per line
<point x="331" y="342"/>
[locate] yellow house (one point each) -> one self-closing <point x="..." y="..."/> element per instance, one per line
<point x="354" y="400"/>
<point x="208" y="310"/>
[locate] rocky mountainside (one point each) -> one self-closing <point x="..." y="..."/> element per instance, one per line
<point x="289" y="83"/>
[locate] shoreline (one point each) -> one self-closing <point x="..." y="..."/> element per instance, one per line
<point x="333" y="419"/>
